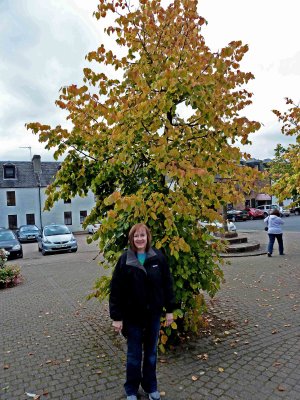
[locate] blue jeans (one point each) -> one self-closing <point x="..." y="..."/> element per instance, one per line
<point x="272" y="237"/>
<point x="138" y="335"/>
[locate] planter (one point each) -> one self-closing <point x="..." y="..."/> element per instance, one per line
<point x="10" y="276"/>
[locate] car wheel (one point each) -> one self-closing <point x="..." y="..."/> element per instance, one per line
<point x="297" y="212"/>
<point x="21" y="255"/>
<point x="44" y="252"/>
<point x="73" y="250"/>
<point x="39" y="248"/>
<point x="251" y="217"/>
<point x="233" y="219"/>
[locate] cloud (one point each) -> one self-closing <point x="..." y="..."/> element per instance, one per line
<point x="265" y="141"/>
<point x="42" y="49"/>
<point x="43" y="45"/>
<point x="291" y="65"/>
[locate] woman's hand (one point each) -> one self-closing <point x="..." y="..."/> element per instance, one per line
<point x="118" y="325"/>
<point x="169" y="319"/>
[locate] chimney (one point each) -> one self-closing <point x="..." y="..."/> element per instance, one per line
<point x="36" y="162"/>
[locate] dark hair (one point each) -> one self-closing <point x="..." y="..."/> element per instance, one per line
<point x="275" y="212"/>
<point x="132" y="231"/>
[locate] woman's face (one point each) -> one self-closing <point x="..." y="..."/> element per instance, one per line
<point x="140" y="240"/>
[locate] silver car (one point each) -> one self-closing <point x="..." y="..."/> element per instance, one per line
<point x="56" y="237"/>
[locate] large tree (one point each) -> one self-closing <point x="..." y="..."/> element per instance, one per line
<point x="285" y="168"/>
<point x="157" y="142"/>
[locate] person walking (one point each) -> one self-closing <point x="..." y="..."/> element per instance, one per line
<point x="274" y="223"/>
<point x="141" y="287"/>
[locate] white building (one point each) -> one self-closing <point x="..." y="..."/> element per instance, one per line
<point x="22" y="196"/>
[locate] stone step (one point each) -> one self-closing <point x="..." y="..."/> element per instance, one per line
<point x="239" y="239"/>
<point x="243" y="247"/>
<point x="253" y="253"/>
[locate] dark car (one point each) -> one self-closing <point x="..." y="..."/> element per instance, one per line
<point x="295" y="210"/>
<point x="236" y="215"/>
<point x="10" y="243"/>
<point x="28" y="233"/>
<point x="254" y="213"/>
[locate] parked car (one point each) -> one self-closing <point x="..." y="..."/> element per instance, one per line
<point x="237" y="215"/>
<point x="284" y="212"/>
<point x="267" y="208"/>
<point x="254" y="213"/>
<point x="231" y="226"/>
<point x="295" y="210"/>
<point x="28" y="233"/>
<point x="10" y="243"/>
<point x="93" y="228"/>
<point x="56" y="237"/>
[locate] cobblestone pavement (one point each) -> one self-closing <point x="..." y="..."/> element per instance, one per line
<point x="58" y="346"/>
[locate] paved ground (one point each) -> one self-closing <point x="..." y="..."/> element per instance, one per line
<point x="57" y="345"/>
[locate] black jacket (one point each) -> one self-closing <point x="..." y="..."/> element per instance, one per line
<point x="137" y="290"/>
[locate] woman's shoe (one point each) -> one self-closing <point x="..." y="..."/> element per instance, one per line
<point x="131" y="397"/>
<point x="154" y="396"/>
<point x="269" y="255"/>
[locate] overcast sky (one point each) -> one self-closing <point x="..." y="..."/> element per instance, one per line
<point x="43" y="45"/>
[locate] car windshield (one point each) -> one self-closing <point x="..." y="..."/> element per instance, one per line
<point x="56" y="230"/>
<point x="28" y="228"/>
<point x="6" y="236"/>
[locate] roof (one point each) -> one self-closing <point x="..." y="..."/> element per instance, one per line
<point x="25" y="176"/>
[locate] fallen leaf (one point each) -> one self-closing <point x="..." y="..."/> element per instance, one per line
<point x="221" y="369"/>
<point x="194" y="378"/>
<point x="99" y="372"/>
<point x="276" y="364"/>
<point x="281" y="388"/>
<point x="30" y="394"/>
<point x="162" y="360"/>
<point x="6" y="366"/>
<point x="202" y="356"/>
<point x="274" y="331"/>
<point x="162" y="393"/>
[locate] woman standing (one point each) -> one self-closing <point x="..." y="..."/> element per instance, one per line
<point x="274" y="231"/>
<point x="141" y="287"/>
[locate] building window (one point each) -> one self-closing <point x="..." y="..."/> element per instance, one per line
<point x="30" y="219"/>
<point x="68" y="217"/>
<point x="11" y="198"/>
<point x="83" y="215"/>
<point x="67" y="201"/>
<point x="9" y="171"/>
<point x="12" y="222"/>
